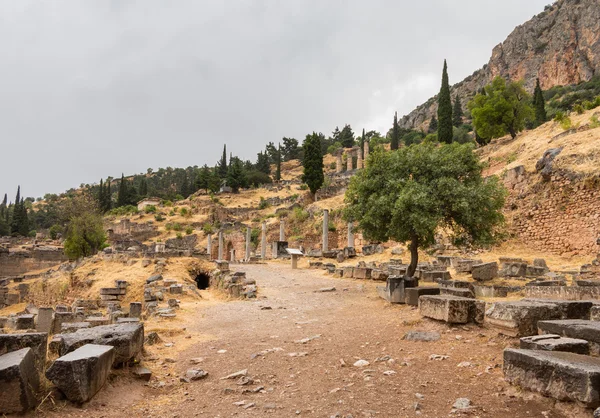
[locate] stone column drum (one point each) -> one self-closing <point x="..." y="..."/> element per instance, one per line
<point x="325" y="230"/>
<point x="263" y="243"/>
<point x="248" y="238"/>
<point x="209" y="246"/>
<point x="220" y="245"/>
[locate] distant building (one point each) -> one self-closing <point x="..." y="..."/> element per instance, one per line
<point x="149" y="201"/>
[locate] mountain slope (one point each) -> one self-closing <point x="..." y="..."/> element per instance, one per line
<point x="561" y="46"/>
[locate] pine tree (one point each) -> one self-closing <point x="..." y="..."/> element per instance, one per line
<point x="457" y="113"/>
<point x="278" y="170"/>
<point x="395" y="139"/>
<point x="203" y="177"/>
<point x="3" y="207"/>
<point x="184" y="190"/>
<point x="223" y="168"/>
<point x="346" y="137"/>
<point x="122" y="196"/>
<point x="433" y="125"/>
<point x="236" y="175"/>
<point x="313" y="162"/>
<point x="262" y="163"/>
<point x="539" y="104"/>
<point x="445" y="109"/>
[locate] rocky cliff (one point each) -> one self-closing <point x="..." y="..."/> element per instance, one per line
<point x="561" y="46"/>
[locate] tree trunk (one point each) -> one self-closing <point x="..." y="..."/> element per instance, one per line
<point x="414" y="256"/>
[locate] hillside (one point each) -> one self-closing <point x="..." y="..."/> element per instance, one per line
<point x="561" y="46"/>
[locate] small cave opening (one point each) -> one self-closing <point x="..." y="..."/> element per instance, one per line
<point x="202" y="280"/>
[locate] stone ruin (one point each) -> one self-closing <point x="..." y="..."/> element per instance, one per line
<point x="235" y="284"/>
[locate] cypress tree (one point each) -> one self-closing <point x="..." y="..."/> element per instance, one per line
<point x="24" y="223"/>
<point x="223" y="167"/>
<point x="313" y="162"/>
<point x="445" y="109"/>
<point x="3" y="207"/>
<point x="457" y="112"/>
<point x="143" y="189"/>
<point x="101" y="196"/>
<point x="108" y="196"/>
<point x="122" y="194"/>
<point x="539" y="104"/>
<point x="16" y="221"/>
<point x="278" y="170"/>
<point x="395" y="139"/>
<point x="433" y="125"/>
<point x="236" y="175"/>
<point x="362" y="140"/>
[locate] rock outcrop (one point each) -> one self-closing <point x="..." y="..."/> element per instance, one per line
<point x="561" y="46"/>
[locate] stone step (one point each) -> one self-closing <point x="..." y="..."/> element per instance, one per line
<point x="551" y="342"/>
<point x="81" y="374"/>
<point x="520" y="318"/>
<point x="574" y="328"/>
<point x="560" y="375"/>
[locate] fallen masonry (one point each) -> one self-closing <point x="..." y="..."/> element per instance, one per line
<point x="394" y="291"/>
<point x="413" y="294"/>
<point x="126" y="338"/>
<point x="19" y="382"/>
<point x="81" y="374"/>
<point x="560" y="375"/>
<point x="520" y="318"/>
<point x="37" y="341"/>
<point x="452" y="309"/>
<point x="551" y="342"/>
<point x="574" y="328"/>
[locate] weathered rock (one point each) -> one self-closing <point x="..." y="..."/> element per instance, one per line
<point x="45" y="319"/>
<point x="24" y="322"/>
<point x="433" y="275"/>
<point x="421" y="336"/>
<point x="551" y="342"/>
<point x="413" y="294"/>
<point x="135" y="309"/>
<point x="520" y="318"/>
<point x="154" y="278"/>
<point x="348" y="272"/>
<point x="513" y="269"/>
<point x="19" y="381"/>
<point x="485" y="272"/>
<point x="560" y="375"/>
<point x="465" y="265"/>
<point x="595" y="313"/>
<point x="450" y="309"/>
<point x="379" y="275"/>
<point x="74" y="326"/>
<point x="453" y="291"/>
<point x="574" y="328"/>
<point x="362" y="273"/>
<point x="570" y="309"/>
<point x="38" y="342"/>
<point x="393" y="292"/>
<point x="81" y="374"/>
<point x="142" y="373"/>
<point x="61" y="317"/>
<point x="127" y="339"/>
<point x="544" y="164"/>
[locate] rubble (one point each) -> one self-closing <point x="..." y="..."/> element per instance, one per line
<point x="19" y="381"/>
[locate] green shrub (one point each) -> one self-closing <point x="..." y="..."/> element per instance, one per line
<point x="594" y="123"/>
<point x="303" y="187"/>
<point x="177" y="227"/>
<point x="158" y="217"/>
<point x="167" y="203"/>
<point x="263" y="204"/>
<point x="208" y="229"/>
<point x="566" y="123"/>
<point x="189" y="230"/>
<point x="578" y="109"/>
<point x="124" y="210"/>
<point x="169" y="226"/>
<point x="179" y="235"/>
<point x="32" y="233"/>
<point x="150" y="209"/>
<point x="55" y="230"/>
<point x="299" y="215"/>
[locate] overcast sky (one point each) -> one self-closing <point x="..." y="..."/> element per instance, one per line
<point x="92" y="88"/>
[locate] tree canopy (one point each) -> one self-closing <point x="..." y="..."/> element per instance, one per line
<point x="313" y="162"/>
<point x="410" y="194"/>
<point x="503" y="109"/>
<point x="445" y="109"/>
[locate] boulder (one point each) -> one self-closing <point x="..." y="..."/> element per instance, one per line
<point x="127" y="339"/>
<point x="37" y="341"/>
<point x="81" y="374"/>
<point x="520" y="318"/>
<point x="513" y="269"/>
<point x="551" y="342"/>
<point x="485" y="272"/>
<point x="560" y="375"/>
<point x="544" y="164"/>
<point x="19" y="381"/>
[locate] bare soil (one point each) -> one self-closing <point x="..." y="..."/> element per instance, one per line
<point x="343" y="326"/>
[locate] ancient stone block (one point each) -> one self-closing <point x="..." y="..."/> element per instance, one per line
<point x="459" y="284"/>
<point x="485" y="272"/>
<point x="135" y="309"/>
<point x="362" y="273"/>
<point x="128" y="340"/>
<point x="413" y="294"/>
<point x="574" y="328"/>
<point x="37" y="341"/>
<point x="513" y="269"/>
<point x="74" y="326"/>
<point x="393" y="292"/>
<point x="348" y="272"/>
<point x="45" y="319"/>
<point x="315" y="265"/>
<point x="19" y="381"/>
<point x="551" y="342"/>
<point x="82" y="373"/>
<point x="158" y="277"/>
<point x="450" y="309"/>
<point x="570" y="309"/>
<point x="379" y="275"/>
<point x="453" y="291"/>
<point x="176" y="289"/>
<point x="520" y="318"/>
<point x="96" y="321"/>
<point x="61" y="317"/>
<point x="595" y="313"/>
<point x="338" y="273"/>
<point x="534" y="271"/>
<point x="563" y="376"/>
<point x="432" y="275"/>
<point x="24" y="322"/>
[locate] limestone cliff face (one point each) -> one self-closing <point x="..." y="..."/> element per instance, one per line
<point x="560" y="46"/>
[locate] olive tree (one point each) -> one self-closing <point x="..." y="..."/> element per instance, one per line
<point x="409" y="194"/>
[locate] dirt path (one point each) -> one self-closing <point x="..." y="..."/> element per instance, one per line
<point x="346" y="325"/>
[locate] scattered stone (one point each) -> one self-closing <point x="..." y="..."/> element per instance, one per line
<point x="462" y="403"/>
<point x="38" y="342"/>
<point x="142" y="373"/>
<point x="452" y="309"/>
<point x="361" y="363"/>
<point x="325" y="290"/>
<point x="389" y="372"/>
<point x="421" y="336"/>
<point x="484" y="272"/>
<point x="81" y="374"/>
<point x="307" y="339"/>
<point x="301" y="354"/>
<point x="551" y="342"/>
<point x="236" y="374"/>
<point x="438" y="357"/>
<point x="197" y="360"/>
<point x="19" y="381"/>
<point x="574" y="328"/>
<point x="152" y="338"/>
<point x="154" y="278"/>
<point x="520" y="318"/>
<point x="195" y="374"/>
<point x="25" y="322"/>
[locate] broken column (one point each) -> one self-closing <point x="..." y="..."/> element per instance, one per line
<point x="349" y="161"/>
<point x="82" y="373"/>
<point x="359" y="159"/>
<point x="248" y="238"/>
<point x="220" y="245"/>
<point x="19" y="381"/>
<point x="325" y="230"/>
<point x="135" y="310"/>
<point x="350" y="235"/>
<point x="281" y="229"/>
<point x="209" y="246"/>
<point x="366" y="153"/>
<point x="263" y="242"/>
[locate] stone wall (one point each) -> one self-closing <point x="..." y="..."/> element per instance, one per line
<point x="15" y="262"/>
<point x="561" y="216"/>
<point x="127" y="230"/>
